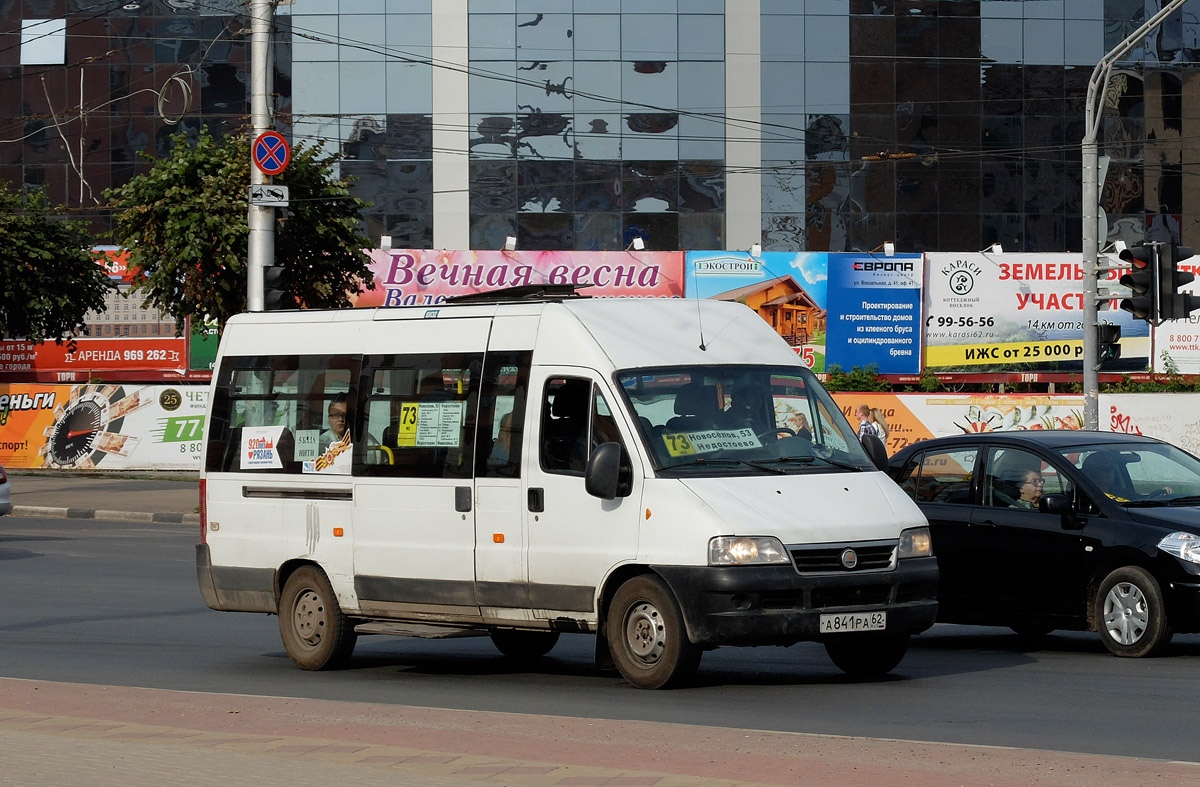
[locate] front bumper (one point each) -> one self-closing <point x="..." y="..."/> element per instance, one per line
<point x="776" y="605"/>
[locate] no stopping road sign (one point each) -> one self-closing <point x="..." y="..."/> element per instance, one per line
<point x="271" y="152"/>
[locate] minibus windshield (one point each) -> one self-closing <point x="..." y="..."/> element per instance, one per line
<point x="737" y="420"/>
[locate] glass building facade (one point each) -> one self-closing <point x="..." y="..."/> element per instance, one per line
<point x="942" y="125"/>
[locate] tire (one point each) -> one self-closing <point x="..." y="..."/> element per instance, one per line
<point x="523" y="644"/>
<point x="647" y="637"/>
<point x="866" y="655"/>
<point x="316" y="635"/>
<point x="1130" y="613"/>
<point x="1032" y="629"/>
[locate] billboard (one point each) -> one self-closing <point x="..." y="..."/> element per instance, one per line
<point x="913" y="417"/>
<point x="415" y="277"/>
<point x="108" y="427"/>
<point x="846" y="310"/>
<point x="159" y="354"/>
<point x="991" y="312"/>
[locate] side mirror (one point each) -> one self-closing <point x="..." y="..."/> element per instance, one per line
<point x="876" y="451"/>
<point x="1060" y="504"/>
<point x="603" y="475"/>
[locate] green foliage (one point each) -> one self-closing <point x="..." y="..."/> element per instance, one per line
<point x="185" y="225"/>
<point x="860" y="378"/>
<point x="49" y="279"/>
<point x="930" y="382"/>
<point x="1171" y="383"/>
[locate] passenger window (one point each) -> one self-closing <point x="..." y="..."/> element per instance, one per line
<point x="564" y="433"/>
<point x="941" y="477"/>
<point x="502" y="414"/>
<point x="575" y="419"/>
<point x="420" y="415"/>
<point x="1018" y="479"/>
<point x="273" y="414"/>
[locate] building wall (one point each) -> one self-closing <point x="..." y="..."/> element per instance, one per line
<point x="697" y="124"/>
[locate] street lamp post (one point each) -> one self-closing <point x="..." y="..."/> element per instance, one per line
<point x="1097" y="86"/>
<point x="261" y="219"/>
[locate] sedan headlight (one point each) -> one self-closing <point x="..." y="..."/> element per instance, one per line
<point x="743" y="550"/>
<point x="915" y="542"/>
<point x="1184" y="546"/>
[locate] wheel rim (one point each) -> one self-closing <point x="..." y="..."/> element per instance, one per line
<point x="308" y="617"/>
<point x="645" y="633"/>
<point x="1125" y="614"/>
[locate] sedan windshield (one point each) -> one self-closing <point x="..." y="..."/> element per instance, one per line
<point x="738" y="420"/>
<point x="1139" y="475"/>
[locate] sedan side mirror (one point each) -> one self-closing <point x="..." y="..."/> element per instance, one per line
<point x="1056" y="504"/>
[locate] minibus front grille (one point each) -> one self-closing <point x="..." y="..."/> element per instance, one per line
<point x="823" y="560"/>
<point x="826" y="598"/>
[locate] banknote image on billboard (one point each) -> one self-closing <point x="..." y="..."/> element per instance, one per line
<point x="1009" y="312"/>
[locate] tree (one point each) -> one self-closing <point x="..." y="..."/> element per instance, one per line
<point x="185" y="225"/>
<point x="49" y="279"/>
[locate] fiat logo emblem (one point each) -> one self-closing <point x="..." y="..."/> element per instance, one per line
<point x="849" y="558"/>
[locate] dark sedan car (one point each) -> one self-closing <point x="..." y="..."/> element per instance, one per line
<point x="1045" y="530"/>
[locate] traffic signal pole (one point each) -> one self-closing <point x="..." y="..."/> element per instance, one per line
<point x="261" y="250"/>
<point x="1097" y="86"/>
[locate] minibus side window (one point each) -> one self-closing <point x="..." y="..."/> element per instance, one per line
<point x="502" y="414"/>
<point x="419" y="415"/>
<point x="566" y="403"/>
<point x="269" y="413"/>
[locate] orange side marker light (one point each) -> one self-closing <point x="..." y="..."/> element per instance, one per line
<point x="498" y="538"/>
<point x="338" y="532"/>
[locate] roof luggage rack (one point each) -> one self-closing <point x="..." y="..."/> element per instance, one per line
<point x="527" y="292"/>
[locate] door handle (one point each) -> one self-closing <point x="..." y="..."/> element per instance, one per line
<point x="537" y="499"/>
<point x="462" y="498"/>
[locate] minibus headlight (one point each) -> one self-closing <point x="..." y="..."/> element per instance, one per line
<point x="744" y="550"/>
<point x="915" y="542"/>
<point x="1185" y="546"/>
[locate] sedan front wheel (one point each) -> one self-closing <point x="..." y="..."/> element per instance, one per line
<point x="1130" y="613"/>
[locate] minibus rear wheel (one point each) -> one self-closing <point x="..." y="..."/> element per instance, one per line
<point x="316" y="634"/>
<point x="523" y="644"/>
<point x="647" y="637"/>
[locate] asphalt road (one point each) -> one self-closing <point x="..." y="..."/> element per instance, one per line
<point x="116" y="603"/>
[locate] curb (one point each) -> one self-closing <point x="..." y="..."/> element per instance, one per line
<point x="51" y="512"/>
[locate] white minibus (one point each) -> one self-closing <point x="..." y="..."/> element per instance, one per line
<point x="664" y="474"/>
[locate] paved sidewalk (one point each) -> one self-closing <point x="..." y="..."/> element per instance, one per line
<point x="130" y="496"/>
<point x="67" y="734"/>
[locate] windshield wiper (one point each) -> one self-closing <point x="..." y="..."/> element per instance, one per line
<point x="699" y="461"/>
<point x="1186" y="500"/>
<point x="1143" y="503"/>
<point x="809" y="459"/>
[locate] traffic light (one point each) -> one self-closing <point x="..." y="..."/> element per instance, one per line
<point x="1141" y="280"/>
<point x="275" y="294"/>
<point x="1108" y="341"/>
<point x="1172" y="304"/>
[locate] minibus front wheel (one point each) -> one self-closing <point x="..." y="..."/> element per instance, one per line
<point x="316" y="634"/>
<point x="647" y="636"/>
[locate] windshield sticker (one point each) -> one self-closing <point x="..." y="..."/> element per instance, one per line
<point x="439" y="424"/>
<point x="430" y="425"/>
<point x="685" y="444"/>
<point x="335" y="460"/>
<point x="308" y="444"/>
<point x="260" y="447"/>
